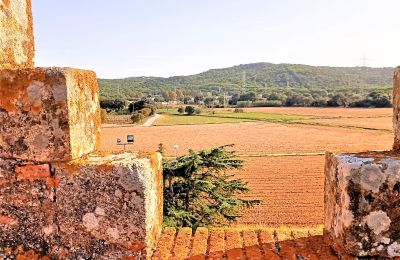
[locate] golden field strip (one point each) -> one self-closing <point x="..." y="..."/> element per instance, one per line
<point x="284" y="160"/>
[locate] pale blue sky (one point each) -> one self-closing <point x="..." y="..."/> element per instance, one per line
<point x="122" y="38"/>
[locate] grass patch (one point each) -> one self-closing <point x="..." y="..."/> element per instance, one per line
<point x="167" y="111"/>
<point x="171" y="119"/>
<point x="258" y="116"/>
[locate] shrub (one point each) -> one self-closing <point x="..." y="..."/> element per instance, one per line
<point x="181" y="110"/>
<point x="267" y="103"/>
<point x="238" y="110"/>
<point x="112" y="105"/>
<point x="139" y="105"/>
<point x="145" y="111"/>
<point x="190" y="110"/>
<point x="198" y="111"/>
<point x="137" y="117"/>
<point x="244" y="104"/>
<point x="153" y="109"/>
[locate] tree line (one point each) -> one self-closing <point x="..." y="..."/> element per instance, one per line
<point x="262" y="84"/>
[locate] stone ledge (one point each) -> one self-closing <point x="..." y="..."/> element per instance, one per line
<point x="362" y="203"/>
<point x="48" y="114"/>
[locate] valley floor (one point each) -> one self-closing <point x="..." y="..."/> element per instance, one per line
<point x="284" y="159"/>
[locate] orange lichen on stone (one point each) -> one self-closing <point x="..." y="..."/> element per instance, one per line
<point x="16" y="32"/>
<point x="4" y="220"/>
<point x="15" y="93"/>
<point x="36" y="172"/>
<point x="4" y="182"/>
<point x="137" y="246"/>
<point x="33" y="172"/>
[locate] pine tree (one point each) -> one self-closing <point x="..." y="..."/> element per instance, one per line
<point x="199" y="192"/>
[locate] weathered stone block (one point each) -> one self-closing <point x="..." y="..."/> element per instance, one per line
<point x="48" y="114"/>
<point x="102" y="207"/>
<point x="109" y="206"/>
<point x="16" y="34"/>
<point x="362" y="203"/>
<point x="27" y="211"/>
<point x="396" y="109"/>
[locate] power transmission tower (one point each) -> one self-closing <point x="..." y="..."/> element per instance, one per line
<point x="364" y="65"/>
<point x="224" y="99"/>
<point x="243" y="81"/>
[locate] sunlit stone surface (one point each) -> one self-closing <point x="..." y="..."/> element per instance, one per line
<point x="362" y="203"/>
<point x="16" y="34"/>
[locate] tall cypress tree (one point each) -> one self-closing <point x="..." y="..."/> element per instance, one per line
<point x="199" y="192"/>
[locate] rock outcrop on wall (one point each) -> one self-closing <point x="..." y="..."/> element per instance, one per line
<point x="16" y="34"/>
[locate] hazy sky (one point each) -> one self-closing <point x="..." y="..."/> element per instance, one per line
<point x="122" y="38"/>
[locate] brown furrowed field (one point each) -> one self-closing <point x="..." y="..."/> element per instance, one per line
<point x="291" y="188"/>
<point x="285" y="167"/>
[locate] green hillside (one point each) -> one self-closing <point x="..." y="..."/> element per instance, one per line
<point x="259" y="78"/>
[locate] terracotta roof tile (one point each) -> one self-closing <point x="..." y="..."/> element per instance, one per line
<point x="241" y="244"/>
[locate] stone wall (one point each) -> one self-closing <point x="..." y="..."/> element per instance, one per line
<point x="59" y="196"/>
<point x="16" y="34"/>
<point x="102" y="206"/>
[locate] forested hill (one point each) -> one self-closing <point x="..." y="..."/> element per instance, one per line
<point x="256" y="77"/>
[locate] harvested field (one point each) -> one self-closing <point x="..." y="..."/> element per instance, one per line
<point x="283" y="169"/>
<point x="250" y="138"/>
<point x="325" y="112"/>
<point x="378" y="123"/>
